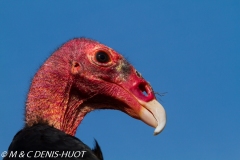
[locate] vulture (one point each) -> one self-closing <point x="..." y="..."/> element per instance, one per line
<point x="81" y="76"/>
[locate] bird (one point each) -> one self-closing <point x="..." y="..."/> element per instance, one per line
<point x="82" y="75"/>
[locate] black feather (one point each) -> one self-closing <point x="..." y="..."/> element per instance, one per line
<point x="97" y="150"/>
<point x="42" y="137"/>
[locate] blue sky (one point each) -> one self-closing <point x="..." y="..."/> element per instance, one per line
<point x="190" y="49"/>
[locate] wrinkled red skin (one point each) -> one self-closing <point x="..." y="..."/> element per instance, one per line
<point x="72" y="83"/>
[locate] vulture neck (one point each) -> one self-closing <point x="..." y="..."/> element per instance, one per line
<point x="51" y="100"/>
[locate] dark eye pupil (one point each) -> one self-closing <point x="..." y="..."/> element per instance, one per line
<point x="102" y="57"/>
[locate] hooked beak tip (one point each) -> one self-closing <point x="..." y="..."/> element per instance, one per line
<point x="154" y="115"/>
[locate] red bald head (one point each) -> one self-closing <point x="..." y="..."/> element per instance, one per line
<point x="84" y="75"/>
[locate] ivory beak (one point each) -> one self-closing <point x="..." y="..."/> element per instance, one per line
<point x="153" y="114"/>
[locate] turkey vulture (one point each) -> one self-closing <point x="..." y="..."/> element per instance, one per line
<point x="81" y="76"/>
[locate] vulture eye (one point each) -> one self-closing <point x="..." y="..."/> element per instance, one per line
<point x="102" y="57"/>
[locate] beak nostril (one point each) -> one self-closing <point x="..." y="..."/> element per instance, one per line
<point x="144" y="93"/>
<point x="143" y="89"/>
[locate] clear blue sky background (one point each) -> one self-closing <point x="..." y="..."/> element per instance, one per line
<point x="190" y="49"/>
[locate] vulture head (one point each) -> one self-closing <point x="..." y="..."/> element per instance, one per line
<point x="84" y="75"/>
